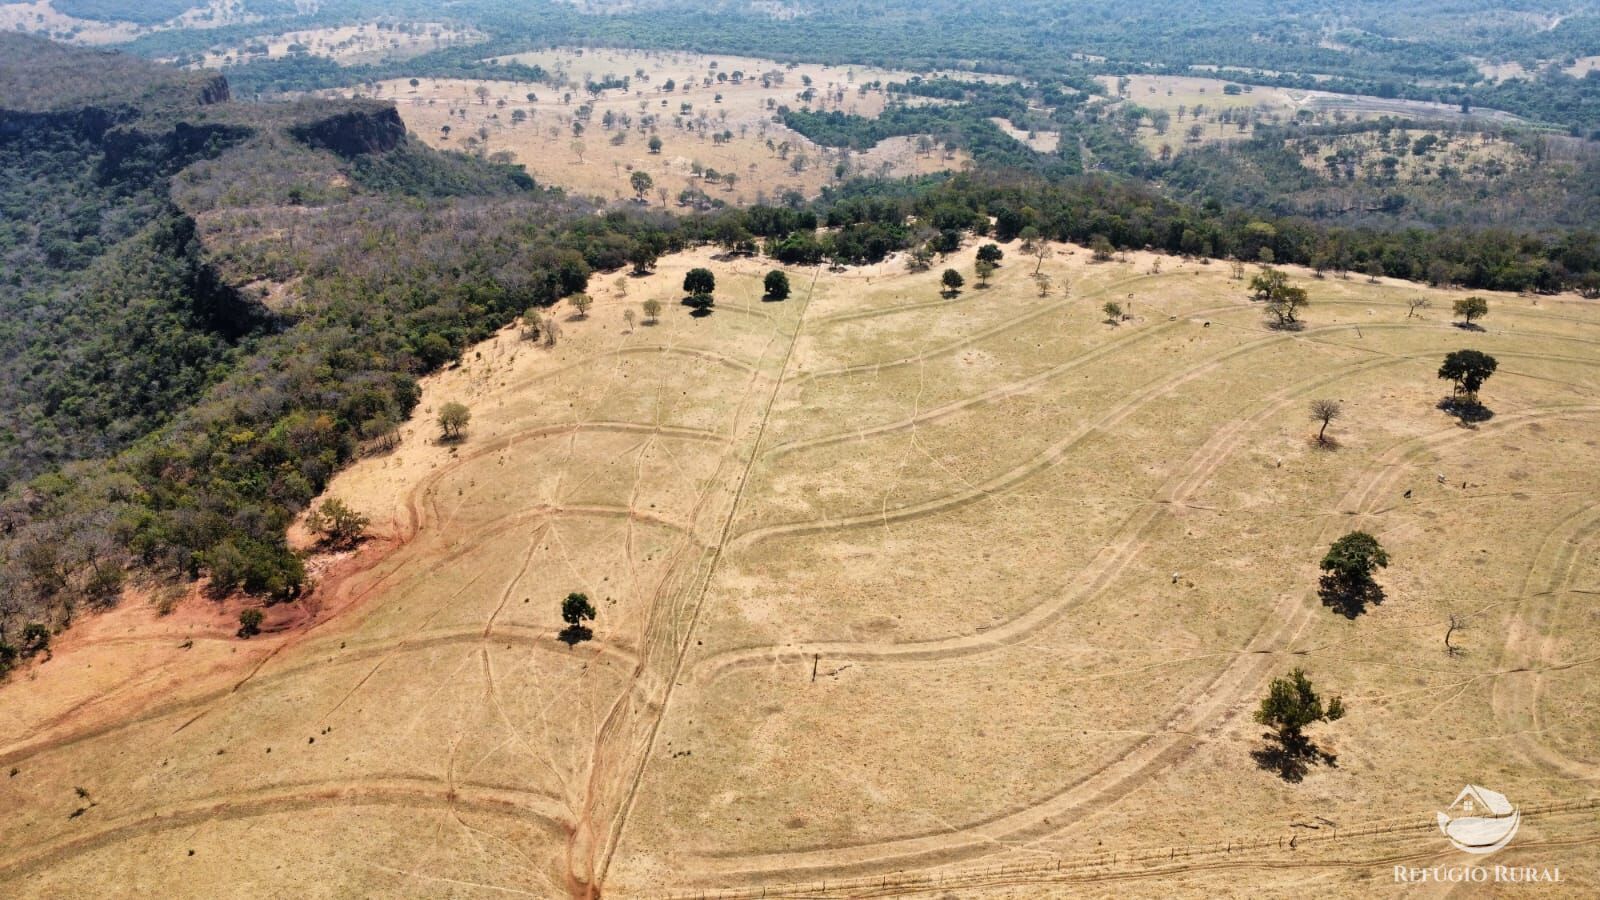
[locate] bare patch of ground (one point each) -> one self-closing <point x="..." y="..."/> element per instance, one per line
<point x="896" y="594"/>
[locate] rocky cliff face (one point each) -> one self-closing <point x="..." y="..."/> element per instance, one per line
<point x="377" y="129"/>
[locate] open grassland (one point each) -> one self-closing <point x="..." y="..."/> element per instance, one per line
<point x="735" y="135"/>
<point x="895" y="593"/>
<point x="1204" y="102"/>
<point x="41" y="18"/>
<point x="349" y="45"/>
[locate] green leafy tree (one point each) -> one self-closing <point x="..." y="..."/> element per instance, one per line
<point x="453" y="419"/>
<point x="952" y="281"/>
<point x="581" y="302"/>
<point x="575" y="611"/>
<point x="984" y="270"/>
<point x="654" y="144"/>
<point x="250" y="622"/>
<point x="777" y="285"/>
<point x="1471" y="308"/>
<point x="1290" y="707"/>
<point x="991" y="253"/>
<point x="1468" y="369"/>
<point x="652" y="311"/>
<point x="642" y="183"/>
<point x="700" y="285"/>
<point x="1284" y="300"/>
<point x="1101" y="249"/>
<point x="1347" y="584"/>
<point x="339" y="525"/>
<point x="1113" y="311"/>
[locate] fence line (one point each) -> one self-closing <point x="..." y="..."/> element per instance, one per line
<point x="902" y="880"/>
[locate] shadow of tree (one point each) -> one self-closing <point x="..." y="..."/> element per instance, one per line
<point x="1469" y="412"/>
<point x="572" y="635"/>
<point x="1291" y="757"/>
<point x="1346" y="598"/>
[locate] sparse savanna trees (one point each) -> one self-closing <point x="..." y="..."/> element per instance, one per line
<point x="453" y="419"/>
<point x="652" y="311"/>
<point x="984" y="269"/>
<point x="1113" y="311"/>
<point x="581" y="302"/>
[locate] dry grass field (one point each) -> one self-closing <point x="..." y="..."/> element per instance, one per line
<point x="897" y="594"/>
<point x="349" y="45"/>
<point x="41" y="18"/>
<point x="1180" y="96"/>
<point x="1479" y="157"/>
<point x="730" y="136"/>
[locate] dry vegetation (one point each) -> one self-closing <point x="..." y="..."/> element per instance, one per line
<point x="1223" y="116"/>
<point x="729" y="137"/>
<point x="350" y="45"/>
<point x="1476" y="157"/>
<point x="889" y="587"/>
<point x="39" y="17"/>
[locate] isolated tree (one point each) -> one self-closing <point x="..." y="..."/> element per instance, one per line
<point x="1347" y="584"/>
<point x="453" y="417"/>
<point x="652" y="311"/>
<point x="654" y="144"/>
<point x="575" y="611"/>
<point x="1468" y="369"/>
<point x="1042" y="281"/>
<point x="415" y="83"/>
<point x="641" y="183"/>
<point x="1113" y="311"/>
<point x="1101" y="248"/>
<point x="1289" y="708"/>
<point x="250" y="622"/>
<point x="1283" y="300"/>
<point x="1416" y="303"/>
<point x="991" y="253"/>
<point x="700" y="284"/>
<point x="984" y="268"/>
<point x="952" y="281"/>
<point x="777" y="285"/>
<point x="339" y="525"/>
<point x="482" y="93"/>
<point x="1469" y="308"/>
<point x="581" y="302"/>
<point x="1325" y="411"/>
<point x="628" y="317"/>
<point x="1040" y="251"/>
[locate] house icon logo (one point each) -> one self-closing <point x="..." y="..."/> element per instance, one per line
<point x="1480" y="820"/>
